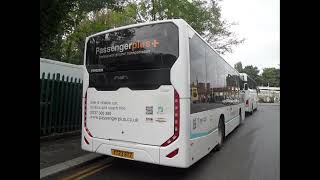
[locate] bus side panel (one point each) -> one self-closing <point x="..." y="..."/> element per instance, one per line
<point x="182" y="158"/>
<point x="204" y="131"/>
<point x="253" y="99"/>
<point x="202" y="146"/>
<point x="232" y="124"/>
<point x="234" y="120"/>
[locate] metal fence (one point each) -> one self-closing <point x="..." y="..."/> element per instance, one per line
<point x="60" y="104"/>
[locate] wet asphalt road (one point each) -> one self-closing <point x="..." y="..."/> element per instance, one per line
<point x="251" y="152"/>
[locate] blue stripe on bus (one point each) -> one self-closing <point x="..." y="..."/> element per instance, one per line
<point x="196" y="135"/>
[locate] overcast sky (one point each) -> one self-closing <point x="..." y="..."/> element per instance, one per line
<point x="259" y="23"/>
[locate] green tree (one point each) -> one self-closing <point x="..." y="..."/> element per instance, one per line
<point x="65" y="24"/>
<point x="271" y="77"/>
<point x="73" y="45"/>
<point x="238" y="67"/>
<point x="203" y="16"/>
<point x="59" y="18"/>
<point x="253" y="72"/>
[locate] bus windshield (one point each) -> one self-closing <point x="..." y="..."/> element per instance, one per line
<point x="130" y="57"/>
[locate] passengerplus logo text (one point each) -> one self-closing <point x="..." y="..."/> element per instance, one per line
<point x="133" y="46"/>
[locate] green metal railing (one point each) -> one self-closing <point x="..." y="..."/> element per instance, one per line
<point x="60" y="104"/>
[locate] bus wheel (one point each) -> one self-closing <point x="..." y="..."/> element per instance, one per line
<point x="221" y="134"/>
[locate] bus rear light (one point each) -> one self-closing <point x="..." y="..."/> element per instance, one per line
<point x="85" y="116"/>
<point x="173" y="153"/>
<point x="176" y="120"/>
<point x="85" y="140"/>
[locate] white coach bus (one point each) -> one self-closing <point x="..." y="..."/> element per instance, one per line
<point x="250" y="93"/>
<point x="156" y="92"/>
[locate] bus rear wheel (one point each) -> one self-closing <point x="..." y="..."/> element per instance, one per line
<point x="221" y="134"/>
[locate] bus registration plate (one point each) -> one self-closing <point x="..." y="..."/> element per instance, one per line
<point x="123" y="154"/>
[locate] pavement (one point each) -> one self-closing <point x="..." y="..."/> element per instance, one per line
<point x="250" y="152"/>
<point x="57" y="155"/>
